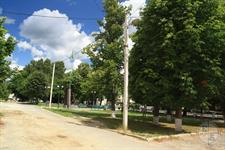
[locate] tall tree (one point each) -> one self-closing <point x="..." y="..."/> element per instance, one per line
<point x="7" y="45"/>
<point x="107" y="52"/>
<point x="174" y="58"/>
<point x="216" y="30"/>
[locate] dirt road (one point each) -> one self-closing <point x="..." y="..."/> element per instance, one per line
<point x="27" y="127"/>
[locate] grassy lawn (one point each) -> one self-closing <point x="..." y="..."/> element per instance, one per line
<point x="53" y="105"/>
<point x="138" y="125"/>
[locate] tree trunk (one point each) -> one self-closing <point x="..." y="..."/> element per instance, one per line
<point x="201" y="116"/>
<point x="100" y="101"/>
<point x="168" y="115"/>
<point x="156" y="114"/>
<point x="224" y="116"/>
<point x="185" y="112"/>
<point x="113" y="103"/>
<point x="178" y="120"/>
<point x="144" y="110"/>
<point x="93" y="100"/>
<point x="223" y="111"/>
<point x="65" y="98"/>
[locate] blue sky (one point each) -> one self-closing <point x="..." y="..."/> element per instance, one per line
<point x="40" y="37"/>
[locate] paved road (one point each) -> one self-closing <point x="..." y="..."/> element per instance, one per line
<point x="28" y="127"/>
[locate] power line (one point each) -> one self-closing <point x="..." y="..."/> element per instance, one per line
<point x="47" y="16"/>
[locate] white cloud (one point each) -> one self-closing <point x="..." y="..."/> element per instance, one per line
<point x="57" y="38"/>
<point x="14" y="63"/>
<point x="136" y="5"/>
<point x="10" y="21"/>
<point x="7" y="35"/>
<point x="73" y="65"/>
<point x="36" y="53"/>
<point x="76" y="63"/>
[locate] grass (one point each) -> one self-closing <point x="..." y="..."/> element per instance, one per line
<point x="138" y="125"/>
<point x="1" y="123"/>
<point x="53" y="105"/>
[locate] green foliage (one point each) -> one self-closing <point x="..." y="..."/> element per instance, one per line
<point x="4" y="91"/>
<point x="177" y="59"/>
<point x="22" y="80"/>
<point x="106" y="53"/>
<point x="7" y="45"/>
<point x="18" y="85"/>
<point x="92" y="86"/>
<point x="36" y="85"/>
<point x="77" y="78"/>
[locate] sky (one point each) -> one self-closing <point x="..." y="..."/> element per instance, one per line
<point x="67" y="31"/>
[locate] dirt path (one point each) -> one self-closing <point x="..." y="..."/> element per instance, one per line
<point x="27" y="127"/>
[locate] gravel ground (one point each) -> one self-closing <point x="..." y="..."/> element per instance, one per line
<point x="27" y="127"/>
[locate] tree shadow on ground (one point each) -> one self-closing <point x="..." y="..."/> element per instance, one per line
<point x="137" y="124"/>
<point x="139" y="127"/>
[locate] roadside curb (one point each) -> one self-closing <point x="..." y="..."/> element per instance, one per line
<point x="168" y="137"/>
<point x="131" y="135"/>
<point x="158" y="138"/>
<point x="165" y="137"/>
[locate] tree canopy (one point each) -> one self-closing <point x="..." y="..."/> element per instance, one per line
<point x="178" y="51"/>
<point x="106" y="53"/>
<point x="36" y="76"/>
<point x="7" y="45"/>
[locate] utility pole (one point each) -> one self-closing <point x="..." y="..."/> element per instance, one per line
<point x="70" y="83"/>
<point x="69" y="96"/>
<point x="53" y="75"/>
<point x="125" y="93"/>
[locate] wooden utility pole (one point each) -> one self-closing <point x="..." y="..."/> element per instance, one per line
<point x="53" y="75"/>
<point x="125" y="93"/>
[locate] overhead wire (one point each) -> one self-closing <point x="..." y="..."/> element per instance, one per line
<point x="4" y="12"/>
